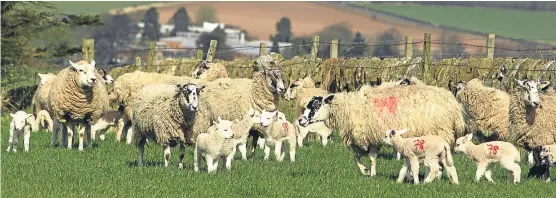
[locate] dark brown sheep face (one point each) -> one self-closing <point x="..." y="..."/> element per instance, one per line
<point x="275" y="80"/>
<point x="316" y="110"/>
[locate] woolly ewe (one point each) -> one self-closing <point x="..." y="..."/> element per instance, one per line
<point x="277" y="130"/>
<point x="216" y="143"/>
<point x="209" y="71"/>
<point x="44" y="121"/>
<point x="21" y="124"/>
<point x="431" y="148"/>
<point x="490" y="152"/>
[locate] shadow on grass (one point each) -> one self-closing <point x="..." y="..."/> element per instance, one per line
<point x="146" y="164"/>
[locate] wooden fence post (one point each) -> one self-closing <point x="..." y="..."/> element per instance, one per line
<point x="152" y="52"/>
<point x="138" y="61"/>
<point x="262" y="49"/>
<point x="211" y="50"/>
<point x="88" y="50"/>
<point x="315" y="48"/>
<point x="408" y="52"/>
<point x="427" y="58"/>
<point x="490" y="46"/>
<point x="334" y="49"/>
<point x="199" y="54"/>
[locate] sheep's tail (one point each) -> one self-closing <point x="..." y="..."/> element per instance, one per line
<point x="449" y="159"/>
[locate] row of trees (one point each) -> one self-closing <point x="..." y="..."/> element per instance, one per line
<point x="518" y="5"/>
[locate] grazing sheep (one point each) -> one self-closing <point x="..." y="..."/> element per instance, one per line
<point x="431" y="148"/>
<point x="209" y="71"/>
<point x="216" y="143"/>
<point x="44" y="121"/>
<point x="241" y="130"/>
<point x="544" y="158"/>
<point x="490" y="152"/>
<point x="21" y="125"/>
<point x="75" y="99"/>
<point x="362" y="119"/>
<point x="109" y="118"/>
<point x="165" y="113"/>
<point x="276" y="131"/>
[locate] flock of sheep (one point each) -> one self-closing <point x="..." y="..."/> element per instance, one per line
<point x="217" y="115"/>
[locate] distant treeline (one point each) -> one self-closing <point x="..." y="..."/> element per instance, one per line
<point x="518" y="5"/>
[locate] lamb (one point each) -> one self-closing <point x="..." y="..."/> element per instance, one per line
<point x="44" y="121"/>
<point x="109" y="118"/>
<point x="216" y="143"/>
<point x="241" y="130"/>
<point x="165" y="113"/>
<point x="76" y="98"/>
<point x="362" y="119"/>
<point x="21" y="124"/>
<point x="543" y="156"/>
<point x="276" y="131"/>
<point x="430" y="147"/>
<point x="209" y="71"/>
<point x="490" y="152"/>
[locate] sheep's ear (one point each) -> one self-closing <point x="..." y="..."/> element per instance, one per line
<point x="178" y="87"/>
<point x="378" y="81"/>
<point x="41" y="76"/>
<point x="92" y="63"/>
<point x="13" y="115"/>
<point x="389" y="132"/>
<point x="329" y="99"/>
<point x="402" y="131"/>
<point x="469" y="136"/>
<point x="29" y="115"/>
<point x="275" y="112"/>
<point x="219" y="119"/>
<point x="75" y="66"/>
<point x="102" y="72"/>
<point x="544" y="85"/>
<point x="200" y="89"/>
<point x="521" y="83"/>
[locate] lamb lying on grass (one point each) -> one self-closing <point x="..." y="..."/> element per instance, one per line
<point x="216" y="143"/>
<point x="277" y="130"/>
<point x="430" y="147"/>
<point x="490" y="152"/>
<point x="21" y="124"/>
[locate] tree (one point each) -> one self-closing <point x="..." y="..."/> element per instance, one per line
<point x="388" y="50"/>
<point x="217" y="34"/>
<point x="117" y="34"/>
<point x="151" y="30"/>
<point x="206" y="14"/>
<point x="359" y="46"/>
<point x="275" y="47"/>
<point x="284" y="30"/>
<point x="341" y="31"/>
<point x="181" y="21"/>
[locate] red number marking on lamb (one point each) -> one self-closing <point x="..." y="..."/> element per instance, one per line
<point x="492" y="149"/>
<point x="419" y="144"/>
<point x="389" y="103"/>
<point x="285" y="126"/>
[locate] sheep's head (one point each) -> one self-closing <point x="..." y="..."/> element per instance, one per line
<point x="393" y="133"/>
<point x="106" y="77"/>
<point x="46" y="78"/>
<point x="269" y="117"/>
<point x="86" y="73"/>
<point x="19" y="119"/>
<point x="461" y="143"/>
<point x="188" y="95"/>
<point x="455" y="88"/>
<point x="546" y="156"/>
<point x="275" y="81"/>
<point x="291" y="92"/>
<point x="316" y="110"/>
<point x="530" y="91"/>
<point x="201" y="69"/>
<point x="224" y="128"/>
<point x="501" y="74"/>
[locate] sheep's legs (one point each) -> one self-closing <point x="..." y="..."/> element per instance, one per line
<point x="357" y="154"/>
<point x="373" y="154"/>
<point x="488" y="174"/>
<point x="278" y="151"/>
<point x="69" y="127"/>
<point x="210" y="164"/>
<point x="514" y="168"/>
<point x="228" y="161"/>
<point x="433" y="168"/>
<point x="303" y="131"/>
<point x="182" y="155"/>
<point x="243" y="150"/>
<point x="451" y="170"/>
<point x="481" y="168"/>
<point x="26" y="136"/>
<point x="197" y="159"/>
<point x="267" y="151"/>
<point x="10" y="140"/>
<point x="324" y="135"/>
<point x="88" y="135"/>
<point x="140" y="150"/>
<point x="292" y="149"/>
<point x="86" y="130"/>
<point x="55" y="128"/>
<point x="530" y="157"/>
<point x="414" y="163"/>
<point x="398" y="155"/>
<point x="129" y="135"/>
<point x="403" y="171"/>
<point x="166" y="155"/>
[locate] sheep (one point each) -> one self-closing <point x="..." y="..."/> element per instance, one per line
<point x="429" y="147"/>
<point x="106" y="78"/>
<point x="216" y="143"/>
<point x="165" y="113"/>
<point x="543" y="156"/>
<point x="109" y="118"/>
<point x="241" y="130"/>
<point x="76" y="98"/>
<point x="490" y="152"/>
<point x="21" y="124"/>
<point x="209" y="71"/>
<point x="40" y="98"/>
<point x="44" y="121"/>
<point x="362" y="119"/>
<point x="276" y="130"/>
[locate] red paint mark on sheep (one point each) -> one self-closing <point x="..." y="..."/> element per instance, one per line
<point x="285" y="126"/>
<point x="419" y="144"/>
<point x="493" y="149"/>
<point x="388" y="103"/>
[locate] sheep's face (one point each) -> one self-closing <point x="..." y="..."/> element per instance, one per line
<point x="275" y="80"/>
<point x="46" y="77"/>
<point x="201" y="70"/>
<point x="19" y="119"/>
<point x="224" y="128"/>
<point x="268" y="117"/>
<point x="317" y="109"/>
<point x="457" y="87"/>
<point x="391" y="134"/>
<point x="86" y="73"/>
<point x="546" y="156"/>
<point x="189" y="96"/>
<point x="530" y="91"/>
<point x="291" y="92"/>
<point x="461" y="143"/>
<point x="106" y="77"/>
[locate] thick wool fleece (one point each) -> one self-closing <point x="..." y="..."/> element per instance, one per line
<point x="158" y="115"/>
<point x="40" y="99"/>
<point x="535" y="127"/>
<point x="213" y="144"/>
<point x="486" y="108"/>
<point x="304" y="95"/>
<point x="215" y="71"/>
<point x="424" y="110"/>
<point x="68" y="100"/>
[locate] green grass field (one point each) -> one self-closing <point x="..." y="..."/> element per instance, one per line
<point x="108" y="170"/>
<point x="95" y="7"/>
<point x="506" y="22"/>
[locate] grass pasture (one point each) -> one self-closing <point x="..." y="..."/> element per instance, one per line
<point x="512" y="23"/>
<point x="108" y="170"/>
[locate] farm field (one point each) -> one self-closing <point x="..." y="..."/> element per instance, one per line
<point x="512" y="23"/>
<point x="108" y="170"/>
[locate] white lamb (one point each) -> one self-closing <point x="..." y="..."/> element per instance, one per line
<point x="276" y="130"/>
<point x="490" y="152"/>
<point x="21" y="124"/>
<point x="241" y="130"/>
<point x="216" y="143"/>
<point x="431" y="148"/>
<point x="109" y="118"/>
